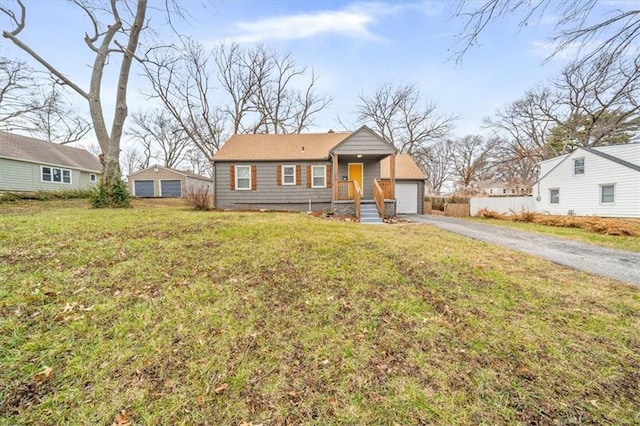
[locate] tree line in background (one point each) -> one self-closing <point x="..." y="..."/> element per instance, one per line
<point x="594" y="101"/>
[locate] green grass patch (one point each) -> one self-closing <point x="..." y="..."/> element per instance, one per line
<point x="165" y="315"/>
<point x="621" y="242"/>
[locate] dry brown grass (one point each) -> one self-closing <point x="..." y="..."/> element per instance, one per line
<point x="607" y="226"/>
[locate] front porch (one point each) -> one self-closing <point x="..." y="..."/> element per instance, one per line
<point x="357" y="182"/>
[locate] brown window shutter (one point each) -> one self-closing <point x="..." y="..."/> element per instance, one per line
<point x="254" y="182"/>
<point x="232" y="178"/>
<point x="279" y="175"/>
<point x="329" y="176"/>
<point x="298" y="174"/>
<point x="308" y="176"/>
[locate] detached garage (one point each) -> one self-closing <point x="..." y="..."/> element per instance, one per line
<point x="159" y="181"/>
<point x="409" y="184"/>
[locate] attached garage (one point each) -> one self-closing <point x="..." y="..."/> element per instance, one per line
<point x="407" y="197"/>
<point x="171" y="188"/>
<point x="143" y="188"/>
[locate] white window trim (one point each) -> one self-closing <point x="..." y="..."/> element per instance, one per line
<point x="601" y="186"/>
<point x="51" y="168"/>
<point x="294" y="175"/>
<point x="550" y="197"/>
<point x="237" y="188"/>
<point x="584" y="168"/>
<point x="93" y="177"/>
<point x="324" y="174"/>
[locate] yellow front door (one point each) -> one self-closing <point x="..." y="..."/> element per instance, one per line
<point x="356" y="172"/>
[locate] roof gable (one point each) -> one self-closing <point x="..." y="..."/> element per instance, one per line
<point x="364" y="141"/>
<point x="180" y="172"/>
<point x="596" y="152"/>
<point x="30" y="150"/>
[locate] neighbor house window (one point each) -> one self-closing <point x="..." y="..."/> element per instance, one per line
<point x="554" y="196"/>
<point x="288" y="175"/>
<point x="93" y="177"/>
<point x="54" y="174"/>
<point x="607" y="194"/>
<point x="578" y="166"/>
<point x="319" y="175"/>
<point x="243" y="177"/>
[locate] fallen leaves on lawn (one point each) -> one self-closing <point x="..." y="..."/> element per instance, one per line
<point x="223" y="387"/>
<point x="45" y="374"/>
<point x="123" y="418"/>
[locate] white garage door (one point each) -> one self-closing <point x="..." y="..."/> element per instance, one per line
<point x="407" y="197"/>
<point x="143" y="188"/>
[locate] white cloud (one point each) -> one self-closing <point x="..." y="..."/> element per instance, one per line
<point x="354" y="21"/>
<point x="350" y="24"/>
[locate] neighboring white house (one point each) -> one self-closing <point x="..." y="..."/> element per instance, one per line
<point x="602" y="181"/>
<point x="28" y="164"/>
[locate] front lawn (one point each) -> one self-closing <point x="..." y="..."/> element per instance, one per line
<point x="162" y="315"/>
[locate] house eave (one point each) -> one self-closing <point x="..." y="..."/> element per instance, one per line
<point x="44" y="163"/>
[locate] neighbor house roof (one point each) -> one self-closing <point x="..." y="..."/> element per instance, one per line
<point x="290" y="146"/>
<point x="406" y="168"/>
<point x="181" y="172"/>
<point x="22" y="148"/>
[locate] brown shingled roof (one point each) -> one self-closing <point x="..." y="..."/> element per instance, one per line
<point x="406" y="168"/>
<point x="18" y="147"/>
<point x="290" y="146"/>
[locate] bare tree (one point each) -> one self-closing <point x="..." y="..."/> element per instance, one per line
<point x="401" y="116"/>
<point x="259" y="92"/>
<point x="126" y="21"/>
<point x="472" y="155"/>
<point x="134" y="160"/>
<point x="26" y="106"/>
<point x="437" y="162"/>
<point x="578" y="24"/>
<point x="160" y="136"/>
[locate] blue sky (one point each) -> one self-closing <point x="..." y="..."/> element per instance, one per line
<point x="353" y="46"/>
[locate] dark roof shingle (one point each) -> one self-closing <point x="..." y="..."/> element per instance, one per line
<point x="23" y="148"/>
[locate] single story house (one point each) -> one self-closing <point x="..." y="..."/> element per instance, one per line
<point x="160" y="181"/>
<point x="602" y="181"/>
<point x="28" y="164"/>
<point x="316" y="171"/>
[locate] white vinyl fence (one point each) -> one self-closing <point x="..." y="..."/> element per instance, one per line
<point x="502" y="204"/>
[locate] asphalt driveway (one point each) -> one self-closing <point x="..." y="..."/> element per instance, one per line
<point x="617" y="264"/>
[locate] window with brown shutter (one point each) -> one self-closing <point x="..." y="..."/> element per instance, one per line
<point x="279" y="175"/>
<point x="298" y="174"/>
<point x="308" y="176"/>
<point x="329" y="177"/>
<point x="232" y="178"/>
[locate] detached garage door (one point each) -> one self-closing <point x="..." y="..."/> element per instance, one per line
<point x="407" y="197"/>
<point x="171" y="188"/>
<point x="143" y="188"/>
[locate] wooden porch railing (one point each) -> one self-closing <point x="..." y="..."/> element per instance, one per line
<point x="344" y="190"/>
<point x="357" y="197"/>
<point x="386" y="189"/>
<point x="378" y="196"/>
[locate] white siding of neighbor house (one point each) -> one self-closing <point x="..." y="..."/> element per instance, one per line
<point x="22" y="176"/>
<point x="581" y="193"/>
<point x="364" y="142"/>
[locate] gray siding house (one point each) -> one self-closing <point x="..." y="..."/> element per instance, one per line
<point x="28" y="164"/>
<point x="160" y="181"/>
<point x="317" y="171"/>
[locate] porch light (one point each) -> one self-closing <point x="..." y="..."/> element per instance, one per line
<point x="359" y="155"/>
